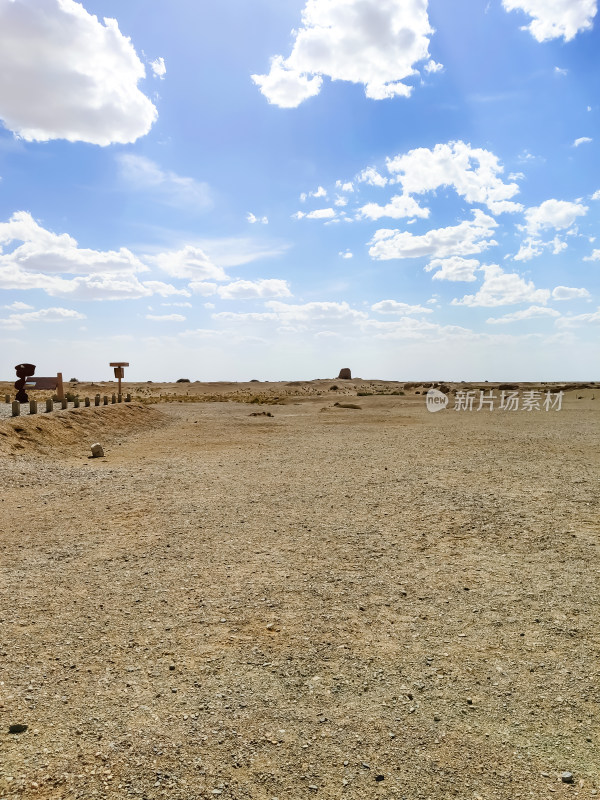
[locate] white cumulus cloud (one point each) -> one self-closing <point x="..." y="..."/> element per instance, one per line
<point x="190" y="262"/>
<point x="550" y="215"/>
<point x="203" y="288"/>
<point x="16" y="321"/>
<point x="501" y="288"/>
<point x="165" y="289"/>
<point x="158" y="68"/>
<point x="582" y="140"/>
<point x="579" y="319"/>
<point x="40" y="259"/>
<point x="401" y="205"/>
<point x="473" y="172"/>
<point x="454" y="268"/>
<point x="466" y="238"/>
<point x="315" y="311"/>
<point x="102" y="286"/>
<point x="569" y="293"/>
<point x="530" y="248"/>
<point x="44" y="251"/>
<point x="319" y="213"/>
<point x="433" y="66"/>
<point x="371" y="42"/>
<point x="320" y="191"/>
<point x="250" y="290"/>
<point x="371" y="176"/>
<point x="253" y="219"/>
<point x="527" y="313"/>
<point x="66" y="75"/>
<point x="284" y="86"/>
<point x="49" y="315"/>
<point x="552" y="19"/>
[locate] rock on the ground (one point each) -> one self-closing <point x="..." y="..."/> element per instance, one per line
<point x="17" y="727"/>
<point x="97" y="451"/>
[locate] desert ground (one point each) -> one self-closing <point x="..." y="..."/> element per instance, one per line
<point x="327" y="602"/>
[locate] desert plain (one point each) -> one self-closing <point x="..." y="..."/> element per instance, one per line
<point x="258" y="593"/>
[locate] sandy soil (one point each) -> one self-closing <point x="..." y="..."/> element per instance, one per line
<point x="329" y="602"/>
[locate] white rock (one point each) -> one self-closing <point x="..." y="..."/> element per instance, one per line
<point x="97" y="451"/>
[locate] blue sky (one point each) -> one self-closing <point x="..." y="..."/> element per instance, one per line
<point x="275" y="190"/>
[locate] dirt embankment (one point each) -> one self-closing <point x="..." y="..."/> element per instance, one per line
<point x="62" y="431"/>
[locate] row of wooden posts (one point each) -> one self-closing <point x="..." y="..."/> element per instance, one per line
<point x="33" y="404"/>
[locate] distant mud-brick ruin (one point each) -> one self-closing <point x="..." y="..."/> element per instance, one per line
<point x="345" y="374"/>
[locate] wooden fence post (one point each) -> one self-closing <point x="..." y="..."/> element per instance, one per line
<point x="60" y="391"/>
<point x="7" y="398"/>
<point x="87" y="402"/>
<point x="114" y="398"/>
<point x="128" y="398"/>
<point x="119" y="398"/>
<point x="49" y="405"/>
<point x="105" y="400"/>
<point x="33" y="406"/>
<point x="16" y="408"/>
<point x="64" y="403"/>
<point x="76" y="402"/>
<point x="97" y="400"/>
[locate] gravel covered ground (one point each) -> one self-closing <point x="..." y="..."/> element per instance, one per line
<point x="329" y="602"/>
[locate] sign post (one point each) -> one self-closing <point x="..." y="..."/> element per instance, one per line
<point x="119" y="370"/>
<point x="45" y="384"/>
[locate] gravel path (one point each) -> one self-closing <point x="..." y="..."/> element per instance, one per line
<point x="373" y="603"/>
